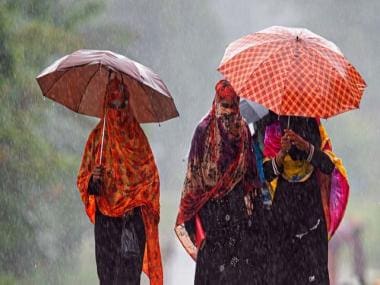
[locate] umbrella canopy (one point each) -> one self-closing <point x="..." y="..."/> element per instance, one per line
<point x="79" y="81"/>
<point x="292" y="71"/>
<point x="251" y="111"/>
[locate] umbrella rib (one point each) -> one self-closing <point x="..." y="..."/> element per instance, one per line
<point x="352" y="88"/>
<point x="326" y="59"/>
<point x="66" y="70"/>
<point x="306" y="58"/>
<point x="55" y="81"/>
<point x="244" y="50"/>
<point x="151" y="103"/>
<point x="88" y="83"/>
<point x="286" y="78"/>
<point x="265" y="60"/>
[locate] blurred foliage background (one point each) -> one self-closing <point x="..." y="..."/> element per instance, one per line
<point x="45" y="237"/>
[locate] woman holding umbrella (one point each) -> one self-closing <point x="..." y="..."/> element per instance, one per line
<point x="121" y="194"/>
<point x="118" y="179"/>
<point x="296" y="168"/>
<point x="300" y="76"/>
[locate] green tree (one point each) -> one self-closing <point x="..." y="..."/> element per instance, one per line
<point x="35" y="175"/>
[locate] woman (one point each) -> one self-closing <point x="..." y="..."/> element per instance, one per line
<point x="221" y="197"/>
<point x="304" y="175"/>
<point x="120" y="193"/>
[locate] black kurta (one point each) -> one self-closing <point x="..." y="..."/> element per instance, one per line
<point x="233" y="251"/>
<point x="298" y="234"/>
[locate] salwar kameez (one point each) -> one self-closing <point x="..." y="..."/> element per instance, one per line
<point x="220" y="187"/>
<point x="298" y="251"/>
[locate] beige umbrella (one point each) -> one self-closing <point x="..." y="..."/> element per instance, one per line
<point x="79" y="81"/>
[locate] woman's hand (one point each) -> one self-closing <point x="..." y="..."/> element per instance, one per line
<point x="285" y="143"/>
<point x="98" y="173"/>
<point x="248" y="203"/>
<point x="285" y="147"/>
<point x="194" y="254"/>
<point x="297" y="140"/>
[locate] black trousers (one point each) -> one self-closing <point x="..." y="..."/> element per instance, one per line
<point x="119" y="248"/>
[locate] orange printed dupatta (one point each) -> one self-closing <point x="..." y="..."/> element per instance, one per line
<point x="131" y="180"/>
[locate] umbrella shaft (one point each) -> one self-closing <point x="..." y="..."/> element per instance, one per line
<point x="101" y="146"/>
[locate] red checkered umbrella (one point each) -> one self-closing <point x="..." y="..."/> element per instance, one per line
<point x="293" y="72"/>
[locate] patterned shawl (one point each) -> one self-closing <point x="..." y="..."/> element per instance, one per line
<point x="334" y="187"/>
<point x="220" y="157"/>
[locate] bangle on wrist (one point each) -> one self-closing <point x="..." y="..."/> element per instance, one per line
<point x="311" y="152"/>
<point x="275" y="167"/>
<point x="276" y="158"/>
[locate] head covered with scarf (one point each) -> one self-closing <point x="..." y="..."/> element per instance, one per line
<point x="220" y="156"/>
<point x="131" y="177"/>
